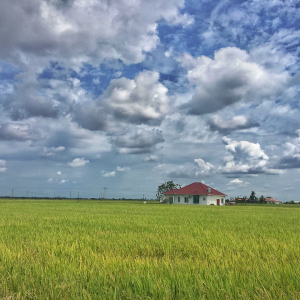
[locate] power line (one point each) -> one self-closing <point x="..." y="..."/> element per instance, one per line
<point x="78" y="188"/>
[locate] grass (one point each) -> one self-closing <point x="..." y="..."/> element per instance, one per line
<point x="129" y="250"/>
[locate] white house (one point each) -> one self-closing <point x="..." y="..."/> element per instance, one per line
<point x="196" y="193"/>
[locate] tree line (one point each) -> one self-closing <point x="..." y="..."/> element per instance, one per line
<point x="252" y="199"/>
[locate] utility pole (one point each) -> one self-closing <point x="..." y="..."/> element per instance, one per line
<point x="12" y="193"/>
<point x="70" y="194"/>
<point x="78" y="195"/>
<point x="105" y="192"/>
<point x="54" y="195"/>
<point x="143" y="197"/>
<point x="27" y="194"/>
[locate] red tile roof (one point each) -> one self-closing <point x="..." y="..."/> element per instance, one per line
<point x="196" y="188"/>
<point x="269" y="199"/>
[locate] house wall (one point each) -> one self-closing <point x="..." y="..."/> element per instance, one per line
<point x="203" y="199"/>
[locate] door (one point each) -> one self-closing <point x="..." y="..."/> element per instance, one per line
<point x="218" y="201"/>
<point x="196" y="199"/>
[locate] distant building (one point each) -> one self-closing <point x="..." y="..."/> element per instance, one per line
<point x="242" y="199"/>
<point x="196" y="193"/>
<point x="271" y="200"/>
<point x="239" y="200"/>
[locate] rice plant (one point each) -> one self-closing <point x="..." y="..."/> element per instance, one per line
<point x="128" y="250"/>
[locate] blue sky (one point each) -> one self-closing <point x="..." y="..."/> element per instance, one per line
<point x="129" y="94"/>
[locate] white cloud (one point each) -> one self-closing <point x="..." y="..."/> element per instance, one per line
<point x="52" y="150"/>
<point x="78" y="162"/>
<point x="109" y="174"/>
<point x="17" y="131"/>
<point x="120" y="30"/>
<point x="246" y="158"/>
<point x="138" y="141"/>
<point x="151" y="158"/>
<point x="252" y="150"/>
<point x="289" y="188"/>
<point x="63" y="181"/>
<point x="141" y="100"/>
<point x="282" y="110"/>
<point x="236" y="181"/>
<point x="123" y="169"/>
<point x="229" y="78"/>
<point x="58" y="173"/>
<point x="291" y="156"/>
<point x="204" y="167"/>
<point x="96" y="81"/>
<point x="199" y="169"/>
<point x="50" y="180"/>
<point x="118" y="74"/>
<point x="240" y="122"/>
<point x="3" y="166"/>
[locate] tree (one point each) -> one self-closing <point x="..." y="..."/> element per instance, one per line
<point x="245" y="199"/>
<point x="262" y="199"/>
<point x="167" y="186"/>
<point x="252" y="197"/>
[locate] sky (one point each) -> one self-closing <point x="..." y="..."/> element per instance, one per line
<point x="128" y="94"/>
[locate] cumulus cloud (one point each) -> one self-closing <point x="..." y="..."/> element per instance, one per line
<point x="123" y="169"/>
<point x="113" y="31"/>
<point x="243" y="24"/>
<point x="204" y="167"/>
<point x="124" y="30"/>
<point x="151" y="158"/>
<point x="236" y="183"/>
<point x="52" y="150"/>
<point x="63" y="181"/>
<point x="17" y="131"/>
<point x="78" y="162"/>
<point x="3" y="166"/>
<point x="58" y="173"/>
<point x="27" y="100"/>
<point x="289" y="188"/>
<point x="217" y="123"/>
<point x="90" y="116"/>
<point x="142" y="100"/>
<point x="291" y="156"/>
<point x="138" y="141"/>
<point x="198" y="169"/>
<point x="109" y="174"/>
<point x="245" y="158"/>
<point x="229" y="78"/>
<point x="50" y="180"/>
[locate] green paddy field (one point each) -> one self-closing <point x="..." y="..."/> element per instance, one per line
<point x="130" y="250"/>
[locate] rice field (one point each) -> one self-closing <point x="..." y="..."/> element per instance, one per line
<point x="130" y="250"/>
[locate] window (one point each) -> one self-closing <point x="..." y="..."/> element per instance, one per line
<point x="204" y="198"/>
<point x="196" y="199"/>
<point x="222" y="200"/>
<point x="186" y="199"/>
<point x="178" y="199"/>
